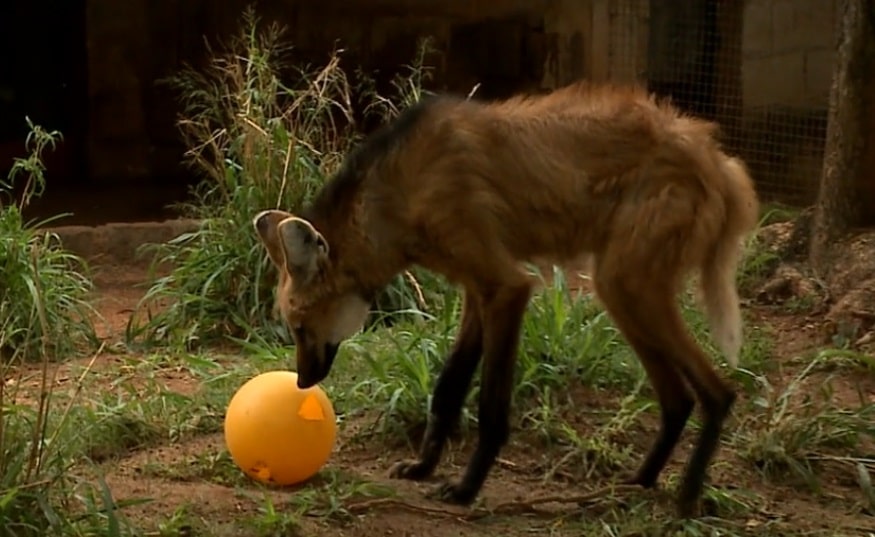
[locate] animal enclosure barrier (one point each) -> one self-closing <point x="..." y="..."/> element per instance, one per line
<point x="760" y="68"/>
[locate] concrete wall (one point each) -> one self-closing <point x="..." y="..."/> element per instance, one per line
<point x="505" y="45"/>
<point x="117" y="44"/>
<point x="499" y="44"/>
<point x="132" y="45"/>
<point x="596" y="39"/>
<point x="788" y="48"/>
<point x="766" y="77"/>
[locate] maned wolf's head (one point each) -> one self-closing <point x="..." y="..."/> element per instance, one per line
<point x="320" y="315"/>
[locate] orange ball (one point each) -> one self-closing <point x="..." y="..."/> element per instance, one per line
<point x="277" y="433"/>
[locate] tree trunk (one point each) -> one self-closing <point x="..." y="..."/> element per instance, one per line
<point x="847" y="190"/>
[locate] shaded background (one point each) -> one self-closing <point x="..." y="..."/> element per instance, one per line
<point x="90" y="68"/>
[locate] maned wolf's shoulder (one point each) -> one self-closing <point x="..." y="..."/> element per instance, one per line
<point x="395" y="132"/>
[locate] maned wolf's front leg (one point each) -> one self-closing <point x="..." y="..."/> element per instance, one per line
<point x="449" y="393"/>
<point x="503" y="312"/>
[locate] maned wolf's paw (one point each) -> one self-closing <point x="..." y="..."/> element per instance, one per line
<point x="413" y="470"/>
<point x="636" y="479"/>
<point x="453" y="493"/>
<point x="688" y="508"/>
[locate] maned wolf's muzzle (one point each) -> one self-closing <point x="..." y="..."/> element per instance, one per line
<point x="314" y="364"/>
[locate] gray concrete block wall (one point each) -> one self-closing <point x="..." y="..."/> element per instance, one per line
<point x="788" y="51"/>
<point x="788" y="48"/>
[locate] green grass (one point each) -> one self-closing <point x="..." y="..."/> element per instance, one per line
<point x="43" y="288"/>
<point x="759" y="261"/>
<point x="561" y="345"/>
<point x="384" y="377"/>
<point x="798" y="427"/>
<point x="44" y="317"/>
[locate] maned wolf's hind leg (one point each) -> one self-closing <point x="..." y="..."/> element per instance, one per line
<point x="503" y="312"/>
<point x="449" y="395"/>
<point x="650" y="319"/>
<point x="676" y="403"/>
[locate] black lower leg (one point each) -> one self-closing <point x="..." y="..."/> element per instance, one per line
<point x="501" y="341"/>
<point x="675" y="399"/>
<point x="650" y="318"/>
<point x="494" y="430"/>
<point x="673" y="423"/>
<point x="448" y="398"/>
<point x="676" y="403"/>
<point x="716" y="409"/>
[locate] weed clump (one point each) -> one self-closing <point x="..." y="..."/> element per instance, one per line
<point x="43" y="288"/>
<point x="44" y="316"/>
<point x="257" y="143"/>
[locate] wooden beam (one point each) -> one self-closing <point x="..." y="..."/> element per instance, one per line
<point x="600" y="41"/>
<point x="461" y="9"/>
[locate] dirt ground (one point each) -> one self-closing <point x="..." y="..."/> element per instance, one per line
<point x="836" y="511"/>
<point x="515" y="478"/>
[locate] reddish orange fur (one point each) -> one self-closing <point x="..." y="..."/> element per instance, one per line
<point x="472" y="191"/>
<point x="543" y="177"/>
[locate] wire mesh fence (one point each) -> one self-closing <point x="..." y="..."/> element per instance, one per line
<point x="761" y="68"/>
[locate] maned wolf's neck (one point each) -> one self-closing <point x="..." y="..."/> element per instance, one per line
<point x="345" y="210"/>
<point x="344" y="188"/>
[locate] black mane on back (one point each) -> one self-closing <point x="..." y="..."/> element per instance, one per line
<point x="345" y="183"/>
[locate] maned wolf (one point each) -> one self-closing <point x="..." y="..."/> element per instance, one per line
<point x="474" y="191"/>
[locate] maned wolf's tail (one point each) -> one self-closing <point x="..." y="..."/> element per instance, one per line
<point x="719" y="269"/>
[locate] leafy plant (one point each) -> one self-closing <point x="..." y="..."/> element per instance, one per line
<point x="43" y="289"/>
<point x="565" y="341"/>
<point x="759" y="261"/>
<point x="44" y="315"/>
<point x="257" y="143"/>
<point x="797" y="427"/>
<point x="571" y="340"/>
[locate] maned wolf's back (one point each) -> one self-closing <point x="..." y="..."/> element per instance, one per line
<point x="604" y="131"/>
<point x="575" y="134"/>
<point x="544" y="175"/>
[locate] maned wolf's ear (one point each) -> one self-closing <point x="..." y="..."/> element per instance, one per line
<point x="265" y="224"/>
<point x="304" y="248"/>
